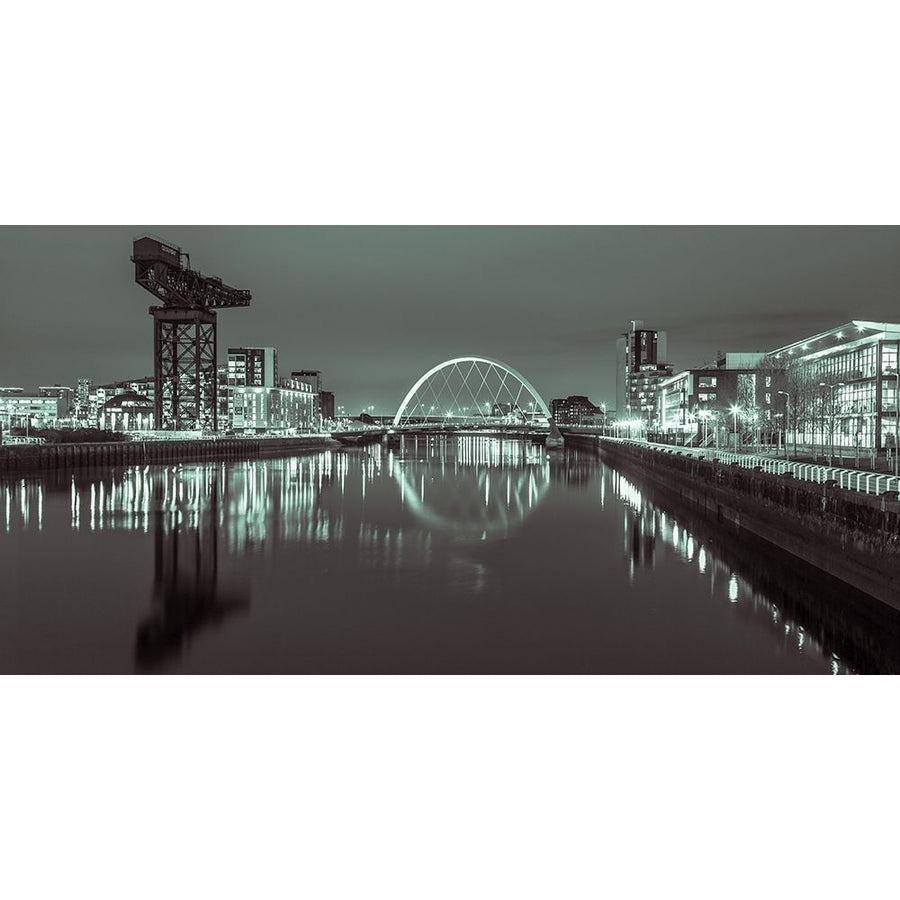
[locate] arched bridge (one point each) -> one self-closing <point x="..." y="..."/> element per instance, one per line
<point x="472" y="389"/>
<point x="474" y="392"/>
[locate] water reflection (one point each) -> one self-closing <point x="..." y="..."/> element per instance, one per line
<point x="494" y="486"/>
<point x="186" y="595"/>
<point x="811" y="611"/>
<point x="526" y="538"/>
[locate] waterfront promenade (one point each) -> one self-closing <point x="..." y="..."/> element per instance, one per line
<point x="21" y="458"/>
<point x="845" y="522"/>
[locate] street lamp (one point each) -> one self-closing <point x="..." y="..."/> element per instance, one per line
<point x="896" y="374"/>
<point x="787" y="424"/>
<point x="832" y="386"/>
<point x="704" y="418"/>
<point x="734" y="411"/>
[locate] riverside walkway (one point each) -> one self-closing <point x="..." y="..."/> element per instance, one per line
<point x="862" y="480"/>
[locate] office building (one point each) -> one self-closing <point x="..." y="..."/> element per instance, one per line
<point x="19" y="409"/>
<point x="843" y="383"/>
<point x="64" y="394"/>
<point x="705" y="405"/>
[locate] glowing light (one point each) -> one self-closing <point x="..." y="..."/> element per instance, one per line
<point x="733" y="588"/>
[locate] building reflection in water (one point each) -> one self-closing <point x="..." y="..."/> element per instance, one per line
<point x="425" y="504"/>
<point x="199" y="514"/>
<point x="768" y="591"/>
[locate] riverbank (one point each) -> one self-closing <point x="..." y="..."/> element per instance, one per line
<point x="20" y="458"/>
<point x="852" y="536"/>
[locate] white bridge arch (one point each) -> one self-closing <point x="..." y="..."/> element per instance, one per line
<point x="471" y="388"/>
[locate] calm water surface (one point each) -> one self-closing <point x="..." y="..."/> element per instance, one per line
<point x="447" y="555"/>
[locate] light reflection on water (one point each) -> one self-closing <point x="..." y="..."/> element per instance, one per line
<point x="645" y="524"/>
<point x="370" y="560"/>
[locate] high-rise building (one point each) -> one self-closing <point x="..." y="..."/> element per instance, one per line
<point x="641" y="355"/>
<point x="253" y="366"/>
<point x="249" y="367"/>
<point x="326" y="402"/>
<point x="83" y="399"/>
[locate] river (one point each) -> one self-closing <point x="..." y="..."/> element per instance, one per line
<point x="445" y="555"/>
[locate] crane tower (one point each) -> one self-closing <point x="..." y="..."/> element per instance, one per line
<point x="184" y="333"/>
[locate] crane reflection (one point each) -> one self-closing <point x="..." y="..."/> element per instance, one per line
<point x="187" y="598"/>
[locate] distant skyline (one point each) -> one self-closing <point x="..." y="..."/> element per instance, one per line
<point x="374" y="307"/>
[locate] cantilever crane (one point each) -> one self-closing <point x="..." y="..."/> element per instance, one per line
<point x="184" y="345"/>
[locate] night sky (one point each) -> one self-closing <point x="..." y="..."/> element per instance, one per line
<point x="375" y="307"/>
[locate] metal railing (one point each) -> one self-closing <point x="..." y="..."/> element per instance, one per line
<point x="850" y="479"/>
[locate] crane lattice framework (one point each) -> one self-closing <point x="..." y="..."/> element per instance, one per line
<point x="184" y="342"/>
<point x="471" y="389"/>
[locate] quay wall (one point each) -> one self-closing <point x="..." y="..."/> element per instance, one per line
<point x="852" y="536"/>
<point x="19" y="458"/>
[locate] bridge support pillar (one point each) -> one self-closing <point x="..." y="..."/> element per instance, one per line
<point x="555" y="440"/>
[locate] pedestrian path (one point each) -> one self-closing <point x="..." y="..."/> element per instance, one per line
<point x="867" y="482"/>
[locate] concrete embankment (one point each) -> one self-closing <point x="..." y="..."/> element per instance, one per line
<point x="19" y="458"/>
<point x="852" y="536"/>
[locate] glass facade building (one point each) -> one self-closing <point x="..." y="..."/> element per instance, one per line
<point x="844" y="385"/>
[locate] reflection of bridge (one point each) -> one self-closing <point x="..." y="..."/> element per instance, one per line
<point x="469" y="393"/>
<point x="492" y="491"/>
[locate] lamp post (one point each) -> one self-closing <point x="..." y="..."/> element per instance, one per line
<point x="832" y="387"/>
<point x="704" y="418"/>
<point x="896" y="374"/>
<point x="734" y="411"/>
<point x="787" y="424"/>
